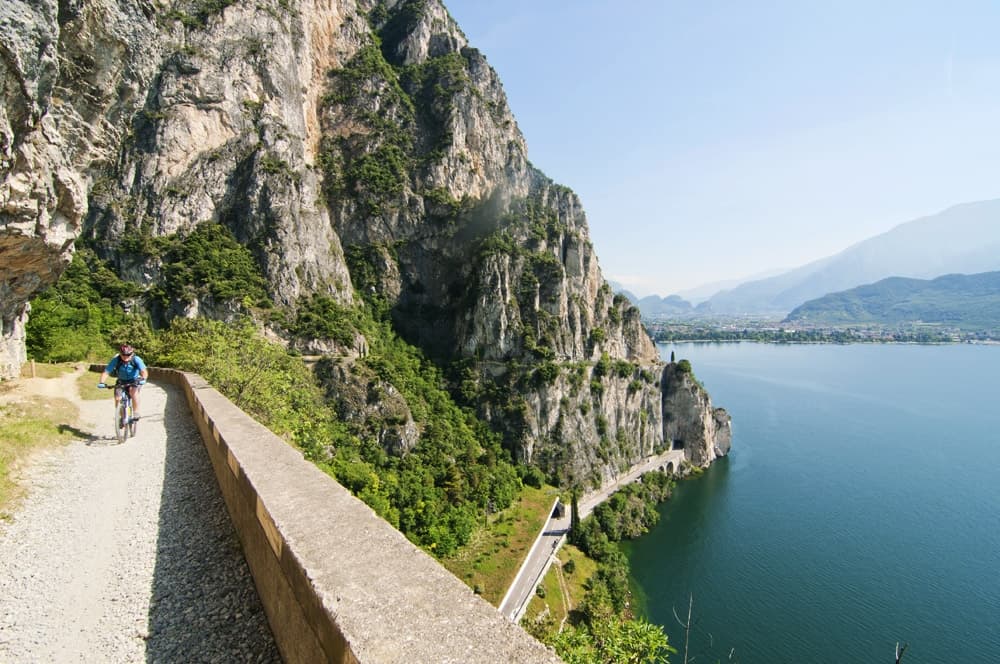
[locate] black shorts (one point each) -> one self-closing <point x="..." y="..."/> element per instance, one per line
<point x="121" y="386"/>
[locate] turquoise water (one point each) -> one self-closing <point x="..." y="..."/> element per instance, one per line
<point x="860" y="507"/>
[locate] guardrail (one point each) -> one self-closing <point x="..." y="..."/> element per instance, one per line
<point x="338" y="583"/>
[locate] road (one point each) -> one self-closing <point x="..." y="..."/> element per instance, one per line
<point x="553" y="534"/>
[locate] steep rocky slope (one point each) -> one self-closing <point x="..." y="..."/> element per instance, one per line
<point x="365" y="154"/>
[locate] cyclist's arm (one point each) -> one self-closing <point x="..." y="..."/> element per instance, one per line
<point x="107" y="371"/>
<point x="143" y="371"/>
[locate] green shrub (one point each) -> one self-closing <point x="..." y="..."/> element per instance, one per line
<point x="531" y="476"/>
<point x="321" y="317"/>
<point x="74" y="318"/>
<point x="546" y="373"/>
<point x="602" y="367"/>
<point x="624" y="369"/>
<point x="209" y="261"/>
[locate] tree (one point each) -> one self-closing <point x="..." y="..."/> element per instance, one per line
<point x="633" y="642"/>
<point x="574" y="515"/>
<point x="614" y="641"/>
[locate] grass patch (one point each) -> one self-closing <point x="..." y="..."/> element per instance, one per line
<point x="552" y="602"/>
<point x="86" y="385"/>
<point x="25" y="426"/>
<point x="555" y="600"/>
<point x="489" y="562"/>
<point x="46" y="370"/>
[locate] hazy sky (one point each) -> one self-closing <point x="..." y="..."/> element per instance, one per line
<point x="713" y="140"/>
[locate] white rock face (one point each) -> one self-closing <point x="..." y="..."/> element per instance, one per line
<point x="61" y="99"/>
<point x="690" y="421"/>
<point x="175" y="126"/>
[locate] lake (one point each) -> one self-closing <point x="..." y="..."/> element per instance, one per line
<point x="860" y="506"/>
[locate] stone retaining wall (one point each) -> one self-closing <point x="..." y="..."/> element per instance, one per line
<point x="338" y="583"/>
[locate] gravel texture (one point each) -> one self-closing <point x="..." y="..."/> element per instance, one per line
<point x="125" y="553"/>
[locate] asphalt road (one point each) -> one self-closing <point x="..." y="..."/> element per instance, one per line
<point x="553" y="534"/>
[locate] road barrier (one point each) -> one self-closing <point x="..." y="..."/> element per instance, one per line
<point x="338" y="583"/>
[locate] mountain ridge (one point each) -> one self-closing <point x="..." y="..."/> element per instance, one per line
<point x="964" y="238"/>
<point x="963" y="302"/>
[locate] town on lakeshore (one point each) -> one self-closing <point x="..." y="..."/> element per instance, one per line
<point x="664" y="331"/>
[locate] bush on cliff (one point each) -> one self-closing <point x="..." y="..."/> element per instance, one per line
<point x="74" y="318"/>
<point x="436" y="494"/>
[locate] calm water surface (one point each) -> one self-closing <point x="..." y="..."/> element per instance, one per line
<point x="860" y="507"/>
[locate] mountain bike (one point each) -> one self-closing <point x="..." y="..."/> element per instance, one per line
<point x="126" y="424"/>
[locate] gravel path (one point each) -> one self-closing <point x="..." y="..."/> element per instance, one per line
<point x="125" y="553"/>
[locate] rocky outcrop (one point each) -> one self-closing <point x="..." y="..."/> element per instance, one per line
<point x="587" y="428"/>
<point x="135" y="120"/>
<point x="358" y="150"/>
<point x="227" y="134"/>
<point x="689" y="420"/>
<point x="50" y="124"/>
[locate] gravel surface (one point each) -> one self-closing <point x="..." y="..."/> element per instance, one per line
<point x="125" y="553"/>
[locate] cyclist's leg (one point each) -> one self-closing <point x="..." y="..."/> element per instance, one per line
<point x="134" y="391"/>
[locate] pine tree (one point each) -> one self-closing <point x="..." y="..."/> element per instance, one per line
<point x="574" y="516"/>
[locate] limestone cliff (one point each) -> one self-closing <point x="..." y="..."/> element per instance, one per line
<point x="690" y="422"/>
<point x="363" y="151"/>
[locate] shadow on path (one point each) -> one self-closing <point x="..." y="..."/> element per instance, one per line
<point x="79" y="434"/>
<point x="204" y="606"/>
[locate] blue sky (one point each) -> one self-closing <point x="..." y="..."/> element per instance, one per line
<point x="714" y="140"/>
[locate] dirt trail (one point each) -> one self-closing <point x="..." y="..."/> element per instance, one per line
<point x="124" y="552"/>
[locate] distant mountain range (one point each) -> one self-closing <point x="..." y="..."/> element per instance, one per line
<point x="968" y="302"/>
<point x="673" y="305"/>
<point x="701" y="293"/>
<point x="963" y="239"/>
<point x="654" y="306"/>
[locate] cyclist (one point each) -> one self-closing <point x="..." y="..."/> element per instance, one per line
<point x="130" y="372"/>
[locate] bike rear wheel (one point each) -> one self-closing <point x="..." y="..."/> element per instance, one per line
<point x="121" y="421"/>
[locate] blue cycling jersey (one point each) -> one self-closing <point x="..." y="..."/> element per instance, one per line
<point x="126" y="372"/>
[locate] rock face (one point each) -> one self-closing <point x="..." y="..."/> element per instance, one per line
<point x="358" y="149"/>
<point x="690" y="422"/>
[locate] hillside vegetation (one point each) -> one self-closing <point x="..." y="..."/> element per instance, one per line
<point x="435" y="493"/>
<point x="964" y="302"/>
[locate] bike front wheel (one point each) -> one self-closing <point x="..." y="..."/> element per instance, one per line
<point x="121" y="421"/>
<point x="133" y="423"/>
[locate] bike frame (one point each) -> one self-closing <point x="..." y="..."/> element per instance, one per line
<point x="125" y="424"/>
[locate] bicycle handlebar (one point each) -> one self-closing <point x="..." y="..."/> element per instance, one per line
<point x="105" y="386"/>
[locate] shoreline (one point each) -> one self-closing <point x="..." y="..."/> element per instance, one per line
<point x="781" y="342"/>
